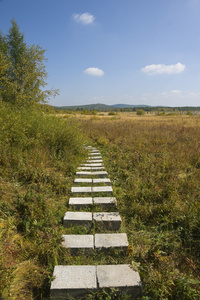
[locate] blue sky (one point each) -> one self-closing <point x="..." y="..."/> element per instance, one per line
<point x="114" y="51"/>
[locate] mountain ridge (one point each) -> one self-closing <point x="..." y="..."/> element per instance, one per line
<point x="99" y="106"/>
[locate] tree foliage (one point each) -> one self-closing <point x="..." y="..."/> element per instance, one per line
<point x="22" y="70"/>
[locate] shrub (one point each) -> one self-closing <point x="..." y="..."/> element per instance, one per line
<point x="140" y="112"/>
<point x="38" y="156"/>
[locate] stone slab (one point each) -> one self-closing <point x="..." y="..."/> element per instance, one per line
<point x="81" y="189"/>
<point x="92" y="165"/>
<point x="82" y="180"/>
<point x="100" y="174"/>
<point x="94" y="157"/>
<point x="116" y="240"/>
<point x="94" y="150"/>
<point x="105" y="201"/>
<point x="102" y="180"/>
<point x="78" y="242"/>
<point x="94" y="160"/>
<point x="83" y="173"/>
<point x="102" y="189"/>
<point x="91" y="168"/>
<point x="74" y="218"/>
<point x="74" y="281"/>
<point x="122" y="277"/>
<point x="80" y="202"/>
<point x="110" y="220"/>
<point x="94" y="153"/>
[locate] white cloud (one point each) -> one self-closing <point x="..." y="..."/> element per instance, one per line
<point x="85" y="18"/>
<point x="164" y="69"/>
<point x="94" y="72"/>
<point x="176" y="92"/>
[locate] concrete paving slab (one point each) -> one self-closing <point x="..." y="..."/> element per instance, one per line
<point x="74" y="281"/>
<point x="94" y="157"/>
<point x="82" y="180"/>
<point x="94" y="153"/>
<point x="74" y="218"/>
<point x="100" y="174"/>
<point x="122" y="277"/>
<point x="84" y="168"/>
<point x="91" y="168"/>
<point x="81" y="189"/>
<point x="77" y="242"/>
<point x="110" y="220"/>
<point x="102" y="189"/>
<point x="80" y="202"/>
<point x="92" y="165"/>
<point x="105" y="202"/>
<point x="83" y="173"/>
<point x="116" y="240"/>
<point x="94" y="161"/>
<point x="102" y="180"/>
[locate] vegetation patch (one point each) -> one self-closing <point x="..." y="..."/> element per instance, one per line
<point x="153" y="163"/>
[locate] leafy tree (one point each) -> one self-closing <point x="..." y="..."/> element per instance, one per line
<point x="22" y="70"/>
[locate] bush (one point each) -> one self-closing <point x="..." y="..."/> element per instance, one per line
<point x="140" y="112"/>
<point x="38" y="156"/>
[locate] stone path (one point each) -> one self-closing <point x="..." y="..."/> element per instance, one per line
<point x="93" y="191"/>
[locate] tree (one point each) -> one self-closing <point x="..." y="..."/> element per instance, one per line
<point x="22" y="70"/>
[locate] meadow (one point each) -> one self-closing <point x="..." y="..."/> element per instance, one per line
<point x="154" y="165"/>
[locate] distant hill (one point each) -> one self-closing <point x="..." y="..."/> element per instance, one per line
<point x="128" y="105"/>
<point x="99" y="106"/>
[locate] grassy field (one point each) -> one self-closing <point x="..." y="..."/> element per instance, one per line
<point x="154" y="165"/>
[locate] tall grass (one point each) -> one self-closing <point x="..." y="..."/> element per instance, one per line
<point x="154" y="163"/>
<point x="38" y="156"/>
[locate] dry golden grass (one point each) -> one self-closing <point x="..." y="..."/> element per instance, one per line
<point x="154" y="164"/>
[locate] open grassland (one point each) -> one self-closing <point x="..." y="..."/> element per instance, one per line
<point x="154" y="165"/>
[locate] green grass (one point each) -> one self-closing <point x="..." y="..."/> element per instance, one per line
<point x="39" y="154"/>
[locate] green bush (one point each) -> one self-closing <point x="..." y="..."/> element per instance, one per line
<point x="140" y="112"/>
<point x="39" y="154"/>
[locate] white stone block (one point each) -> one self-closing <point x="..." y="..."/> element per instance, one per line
<point x="82" y="180"/>
<point x="100" y="174"/>
<point x="81" y="189"/>
<point x="102" y="189"/>
<point x="102" y="180"/>
<point x="83" y="173"/>
<point x="94" y="153"/>
<point x="116" y="240"/>
<point x="74" y="281"/>
<point x="122" y="277"/>
<point x="76" y="242"/>
<point x="94" y="161"/>
<point x="94" y="157"/>
<point x="93" y="165"/>
<point x="80" y="202"/>
<point x="91" y="168"/>
<point x="77" y="218"/>
<point x="105" y="201"/>
<point x="110" y="220"/>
